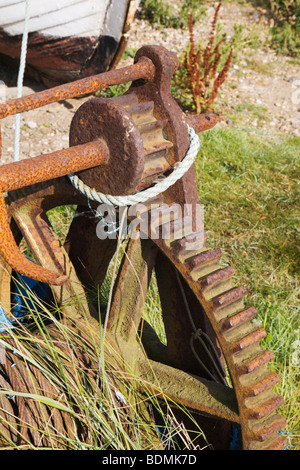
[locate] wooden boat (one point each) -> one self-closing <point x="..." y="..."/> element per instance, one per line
<point x="68" y="39"/>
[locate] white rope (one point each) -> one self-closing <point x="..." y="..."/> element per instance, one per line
<point x="21" y="78"/>
<point x="180" y="169"/>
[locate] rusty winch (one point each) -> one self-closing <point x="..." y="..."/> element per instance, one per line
<point x="120" y="147"/>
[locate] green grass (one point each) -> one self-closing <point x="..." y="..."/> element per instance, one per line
<point x="258" y="66"/>
<point x="249" y="184"/>
<point x="248" y="111"/>
<point x="293" y="61"/>
<point x="164" y="14"/>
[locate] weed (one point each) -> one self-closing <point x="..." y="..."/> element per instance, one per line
<point x="245" y="38"/>
<point x="129" y="52"/>
<point x="114" y="90"/>
<point x="202" y="72"/>
<point x="293" y="61"/>
<point x="161" y="14"/>
<point x="286" y="29"/>
<point x="156" y="11"/>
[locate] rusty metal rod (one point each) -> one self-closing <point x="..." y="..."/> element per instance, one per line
<point x="27" y="172"/>
<point x="143" y="69"/>
<point x="52" y="165"/>
<point x="202" y="122"/>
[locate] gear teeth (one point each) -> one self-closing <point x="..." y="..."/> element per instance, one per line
<point x="153" y="126"/>
<point x="238" y="318"/>
<point x="163" y="219"/>
<point x="258" y="381"/>
<point x="265" y="428"/>
<point x="189" y="246"/>
<point x="126" y="100"/>
<point x="176" y="229"/>
<point x="252" y="338"/>
<point x="154" y="164"/>
<point x="155" y="145"/>
<point x="245" y="336"/>
<point x="142" y="113"/>
<point x="277" y="442"/>
<point x="215" y="283"/>
<point x="263" y="405"/>
<point x="255" y="361"/>
<point x="238" y="333"/>
<point x="228" y="304"/>
<point x="229" y="297"/>
<point x="203" y="263"/>
<point x="155" y="151"/>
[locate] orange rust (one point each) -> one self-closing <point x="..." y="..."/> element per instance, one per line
<point x="203" y="122"/>
<point x="52" y="165"/>
<point x="13" y="257"/>
<point x="27" y="172"/>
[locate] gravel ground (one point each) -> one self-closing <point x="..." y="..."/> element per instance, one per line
<point x="258" y="77"/>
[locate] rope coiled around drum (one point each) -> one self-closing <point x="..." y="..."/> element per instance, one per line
<point x="179" y="170"/>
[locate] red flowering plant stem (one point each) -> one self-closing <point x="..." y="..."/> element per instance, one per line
<point x="201" y="64"/>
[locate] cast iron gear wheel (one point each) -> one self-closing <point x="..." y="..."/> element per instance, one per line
<point x="190" y="278"/>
